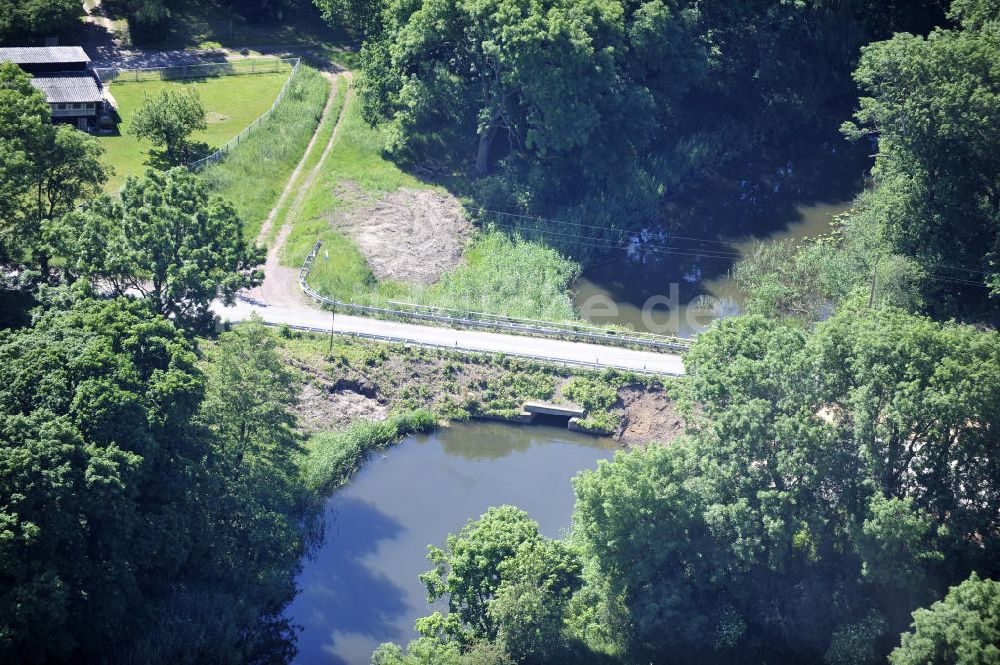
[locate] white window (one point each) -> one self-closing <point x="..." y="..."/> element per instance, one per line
<point x="76" y="106"/>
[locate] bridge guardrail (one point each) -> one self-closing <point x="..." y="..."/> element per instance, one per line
<point x="564" y="362"/>
<point x="522" y="326"/>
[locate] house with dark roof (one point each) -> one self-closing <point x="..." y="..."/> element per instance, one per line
<point x="63" y="75"/>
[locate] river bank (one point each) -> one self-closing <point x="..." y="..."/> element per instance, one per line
<point x="395" y="483"/>
<point x="355" y="380"/>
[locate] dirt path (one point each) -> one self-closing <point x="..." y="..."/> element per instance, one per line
<point x="280" y="285"/>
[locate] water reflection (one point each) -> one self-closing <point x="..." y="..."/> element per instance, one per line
<point x="493" y="440"/>
<point x="669" y="294"/>
<point x="361" y="588"/>
<point x="796" y="194"/>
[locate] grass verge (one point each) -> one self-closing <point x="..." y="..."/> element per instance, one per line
<point x="253" y="175"/>
<point x="312" y="159"/>
<point x="356" y="157"/>
<point x="231" y="102"/>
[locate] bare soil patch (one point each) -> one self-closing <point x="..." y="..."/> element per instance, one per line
<point x="322" y="408"/>
<point x="410" y="235"/>
<point x="367" y="380"/>
<point x="649" y="417"/>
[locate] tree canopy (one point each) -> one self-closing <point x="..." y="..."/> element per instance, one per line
<point x="167" y="120"/>
<point x="127" y="531"/>
<point x="37" y="18"/>
<point x="507" y="588"/>
<point x="963" y="628"/>
<point x="832" y="483"/>
<point x="44" y="169"/>
<point x="934" y="105"/>
<point x="167" y="239"/>
<point x="607" y="109"/>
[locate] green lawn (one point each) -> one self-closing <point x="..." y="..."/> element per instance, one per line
<point x="232" y="103"/>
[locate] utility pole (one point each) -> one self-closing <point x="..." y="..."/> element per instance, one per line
<point x="333" y="308"/>
<point x="332" y="313"/>
<point x="871" y="294"/>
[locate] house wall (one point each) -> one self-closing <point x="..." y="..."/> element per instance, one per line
<point x="83" y="110"/>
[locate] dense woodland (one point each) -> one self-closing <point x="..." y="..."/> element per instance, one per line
<point x="836" y="498"/>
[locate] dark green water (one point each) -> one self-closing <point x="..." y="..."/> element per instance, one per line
<point x="688" y="290"/>
<point x="673" y="276"/>
<point x="361" y="587"/>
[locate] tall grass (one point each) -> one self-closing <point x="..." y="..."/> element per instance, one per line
<point x="509" y="276"/>
<point x="253" y="174"/>
<point x="500" y="275"/>
<point x="333" y="458"/>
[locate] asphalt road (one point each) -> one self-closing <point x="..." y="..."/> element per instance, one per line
<point x="469" y="340"/>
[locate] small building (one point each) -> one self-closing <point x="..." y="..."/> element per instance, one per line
<point x="63" y="75"/>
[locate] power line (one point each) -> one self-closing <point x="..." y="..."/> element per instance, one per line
<point x="607" y="243"/>
<point x="670" y="235"/>
<point x="604" y="228"/>
<point x="963" y="282"/>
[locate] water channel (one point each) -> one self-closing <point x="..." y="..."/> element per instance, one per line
<point x="682" y="264"/>
<point x="689" y="288"/>
<point x="361" y="588"/>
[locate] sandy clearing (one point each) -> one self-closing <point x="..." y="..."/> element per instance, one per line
<point x="648" y="417"/>
<point x="409" y="235"/>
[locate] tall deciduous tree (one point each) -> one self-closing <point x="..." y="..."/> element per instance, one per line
<point x="831" y="484"/>
<point x="135" y="525"/>
<point x="168" y="119"/>
<point x="934" y="105"/>
<point x="250" y="397"/>
<point x="603" y="110"/>
<point x="24" y="117"/>
<point x="44" y="170"/>
<point x="168" y="240"/>
<point x="97" y="459"/>
<point x="361" y="18"/>
<point x="539" y="81"/>
<point x="503" y="580"/>
<point x="37" y="18"/>
<point x="961" y="629"/>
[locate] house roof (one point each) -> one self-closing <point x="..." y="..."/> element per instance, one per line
<point x="68" y="87"/>
<point x="43" y="55"/>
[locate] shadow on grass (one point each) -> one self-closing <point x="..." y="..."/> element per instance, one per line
<point x="207" y="24"/>
<point x="192" y="152"/>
